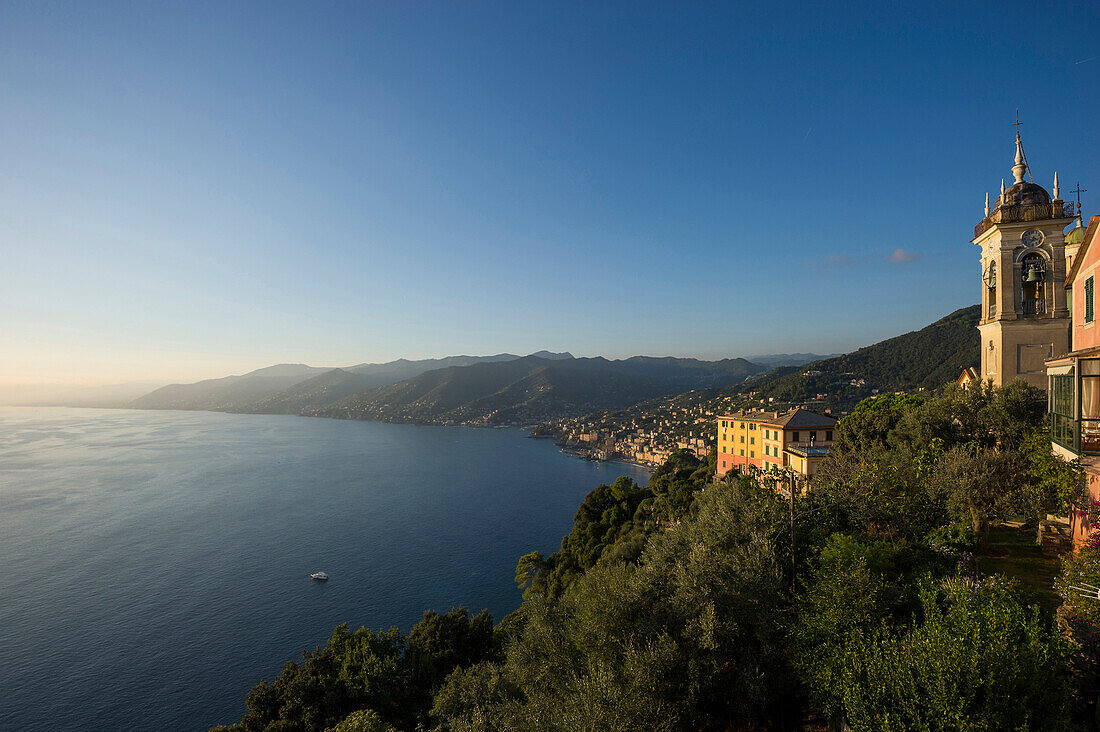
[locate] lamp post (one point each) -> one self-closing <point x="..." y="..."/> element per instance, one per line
<point x="790" y="478"/>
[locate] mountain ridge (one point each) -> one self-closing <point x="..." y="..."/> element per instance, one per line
<point x="920" y="360"/>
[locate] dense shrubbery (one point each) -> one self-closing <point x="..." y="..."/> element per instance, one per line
<point x="972" y="657"/>
<point x="390" y="675"/>
<point x="613" y="523"/>
<point x="688" y="637"/>
<point x="684" y="605"/>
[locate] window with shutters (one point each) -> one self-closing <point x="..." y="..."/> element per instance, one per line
<point x="1088" y="300"/>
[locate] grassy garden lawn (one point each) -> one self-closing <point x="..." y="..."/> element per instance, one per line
<point x="1015" y="554"/>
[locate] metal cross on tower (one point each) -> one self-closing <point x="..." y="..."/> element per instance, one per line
<point x="1079" y="190"/>
<point x="1026" y="166"/>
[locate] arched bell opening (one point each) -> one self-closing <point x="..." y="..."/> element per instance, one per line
<point x="1032" y="281"/>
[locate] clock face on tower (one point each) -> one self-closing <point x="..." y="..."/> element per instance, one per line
<point x="1032" y="238"/>
<point x="990" y="275"/>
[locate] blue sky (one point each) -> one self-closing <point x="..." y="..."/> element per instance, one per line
<point x="191" y="190"/>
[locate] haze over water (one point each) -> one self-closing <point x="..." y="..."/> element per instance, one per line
<point x="155" y="564"/>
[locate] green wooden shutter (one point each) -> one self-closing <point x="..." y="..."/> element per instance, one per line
<point x="1088" y="300"/>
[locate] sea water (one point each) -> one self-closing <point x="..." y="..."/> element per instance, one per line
<point x="155" y="565"/>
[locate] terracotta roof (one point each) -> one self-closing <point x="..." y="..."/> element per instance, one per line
<point x="970" y="372"/>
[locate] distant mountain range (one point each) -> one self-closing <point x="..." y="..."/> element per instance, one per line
<point x="481" y="390"/>
<point x="775" y="360"/>
<point x="230" y="392"/>
<point x="533" y="389"/>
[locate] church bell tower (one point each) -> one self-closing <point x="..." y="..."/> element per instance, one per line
<point x="1024" y="317"/>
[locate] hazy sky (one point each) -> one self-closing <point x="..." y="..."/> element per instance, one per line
<point x="190" y="190"/>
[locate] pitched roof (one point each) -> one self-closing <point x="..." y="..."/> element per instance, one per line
<point x="805" y="418"/>
<point x="969" y="374"/>
<point x="797" y="417"/>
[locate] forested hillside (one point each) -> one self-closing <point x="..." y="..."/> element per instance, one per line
<point x="920" y="360"/>
<point x="925" y="359"/>
<point x="474" y="390"/>
<point x="263" y="390"/>
<point x="532" y="389"/>
<point x="227" y="393"/>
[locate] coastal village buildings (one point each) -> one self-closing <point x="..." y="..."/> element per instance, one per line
<point x="645" y="441"/>
<point x="798" y="439"/>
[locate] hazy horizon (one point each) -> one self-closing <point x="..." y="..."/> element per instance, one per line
<point x="196" y="190"/>
<point x="30" y="393"/>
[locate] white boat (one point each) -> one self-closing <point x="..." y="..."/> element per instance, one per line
<point x="319" y="576"/>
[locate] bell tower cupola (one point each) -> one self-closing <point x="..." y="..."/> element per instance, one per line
<point x="1024" y="317"/>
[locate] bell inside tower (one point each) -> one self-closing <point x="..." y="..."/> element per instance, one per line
<point x="1031" y="285"/>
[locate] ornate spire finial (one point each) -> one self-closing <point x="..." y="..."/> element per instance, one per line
<point x="1002" y="186"/>
<point x="987" y="205"/>
<point x="1056" y="189"/>
<point x="1019" y="168"/>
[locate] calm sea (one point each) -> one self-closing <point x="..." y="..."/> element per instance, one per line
<point x="155" y="565"/>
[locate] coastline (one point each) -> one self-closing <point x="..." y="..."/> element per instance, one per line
<point x="528" y="428"/>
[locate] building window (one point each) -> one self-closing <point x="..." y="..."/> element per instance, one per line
<point x="1061" y="410"/>
<point x="742" y="439"/>
<point x="752" y="440"/>
<point x="1088" y="300"/>
<point x="828" y="435"/>
<point x="752" y="453"/>
<point x="813" y="436"/>
<point x="794" y="437"/>
<point x="742" y="453"/>
<point x="723" y="463"/>
<point x="1089" y="406"/>
<point x="752" y="426"/>
<point x="742" y="425"/>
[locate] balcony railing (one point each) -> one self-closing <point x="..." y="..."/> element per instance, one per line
<point x="1033" y="307"/>
<point x="1037" y="212"/>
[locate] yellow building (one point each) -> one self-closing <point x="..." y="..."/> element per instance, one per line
<point x="758" y="439"/>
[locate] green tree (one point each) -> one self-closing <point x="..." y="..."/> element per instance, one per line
<point x="438" y="644"/>
<point x="975" y="658"/>
<point x="689" y="637"/>
<point x="363" y="720"/>
<point x="985" y="484"/>
<point x="871" y="423"/>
